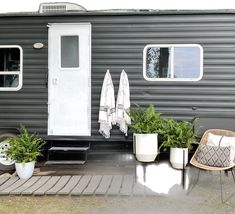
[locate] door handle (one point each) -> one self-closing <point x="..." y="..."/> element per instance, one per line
<point x="54" y="81"/>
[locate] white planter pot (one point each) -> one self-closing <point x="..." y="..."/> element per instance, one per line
<point x="145" y="147"/>
<point x="25" y="170"/>
<point x="178" y="156"/>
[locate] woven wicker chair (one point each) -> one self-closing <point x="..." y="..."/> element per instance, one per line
<point x="195" y="163"/>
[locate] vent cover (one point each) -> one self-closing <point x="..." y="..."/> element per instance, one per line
<point x="58" y="7"/>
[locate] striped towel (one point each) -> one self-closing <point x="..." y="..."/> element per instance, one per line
<point x="107" y="106"/>
<point x="123" y="103"/>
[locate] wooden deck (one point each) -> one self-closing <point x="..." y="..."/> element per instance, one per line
<point x="87" y="185"/>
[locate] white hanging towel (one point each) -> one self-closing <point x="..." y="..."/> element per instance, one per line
<point x="107" y="106"/>
<point x="123" y="103"/>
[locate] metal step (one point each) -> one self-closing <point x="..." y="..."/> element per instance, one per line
<point x="65" y="149"/>
<point x="64" y="162"/>
<point x="67" y="155"/>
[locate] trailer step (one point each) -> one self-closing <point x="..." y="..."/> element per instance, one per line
<point x="65" y="149"/>
<point x="65" y="162"/>
<point x="67" y="154"/>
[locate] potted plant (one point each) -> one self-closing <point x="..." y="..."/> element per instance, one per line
<point x="179" y="137"/>
<point x="24" y="150"/>
<point x="145" y="126"/>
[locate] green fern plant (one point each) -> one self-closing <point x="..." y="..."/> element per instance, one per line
<point x="26" y="148"/>
<point x="178" y="134"/>
<point x="145" y="121"/>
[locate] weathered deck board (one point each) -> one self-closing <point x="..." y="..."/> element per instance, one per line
<point x="123" y="185"/>
<point x="104" y="185"/>
<point x="8" y="183"/>
<point x="3" y="179"/>
<point x="36" y="185"/>
<point x="48" y="185"/>
<point x="15" y="185"/>
<point x="70" y="185"/>
<point x="59" y="185"/>
<point x="127" y="185"/>
<point x="92" y="186"/>
<point x="138" y="189"/>
<point x="25" y="186"/>
<point x="115" y="185"/>
<point x="84" y="181"/>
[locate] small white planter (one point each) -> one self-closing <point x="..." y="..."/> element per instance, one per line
<point x="146" y="147"/>
<point x="178" y="156"/>
<point x="25" y="170"/>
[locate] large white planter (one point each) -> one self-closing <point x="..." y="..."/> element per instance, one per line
<point x="145" y="147"/>
<point x="25" y="170"/>
<point x="178" y="156"/>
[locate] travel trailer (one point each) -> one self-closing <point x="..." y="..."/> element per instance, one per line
<point x="53" y="62"/>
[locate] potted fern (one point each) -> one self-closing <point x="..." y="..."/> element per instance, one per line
<point x="179" y="137"/>
<point x="24" y="150"/>
<point x="146" y="124"/>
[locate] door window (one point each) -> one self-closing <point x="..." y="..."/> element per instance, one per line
<point x="69" y="51"/>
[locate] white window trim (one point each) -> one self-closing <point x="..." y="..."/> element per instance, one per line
<point x="19" y="73"/>
<point x="172" y="46"/>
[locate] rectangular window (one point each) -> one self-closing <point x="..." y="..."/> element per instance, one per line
<point x="69" y="52"/>
<point x="173" y="62"/>
<point x="11" y="62"/>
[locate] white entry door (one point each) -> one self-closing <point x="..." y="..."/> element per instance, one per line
<point x="69" y="102"/>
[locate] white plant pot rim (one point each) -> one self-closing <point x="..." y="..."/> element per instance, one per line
<point x="178" y="148"/>
<point x="26" y="162"/>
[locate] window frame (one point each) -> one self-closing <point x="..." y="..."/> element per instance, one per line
<point x="172" y="46"/>
<point x="19" y="73"/>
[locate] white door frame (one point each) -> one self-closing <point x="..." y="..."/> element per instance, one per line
<point x="83" y="31"/>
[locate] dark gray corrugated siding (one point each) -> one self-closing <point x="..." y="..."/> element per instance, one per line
<point x="117" y="43"/>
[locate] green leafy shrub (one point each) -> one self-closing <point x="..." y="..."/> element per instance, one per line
<point x="178" y="134"/>
<point x="171" y="133"/>
<point x="26" y="148"/>
<point x="145" y="121"/>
